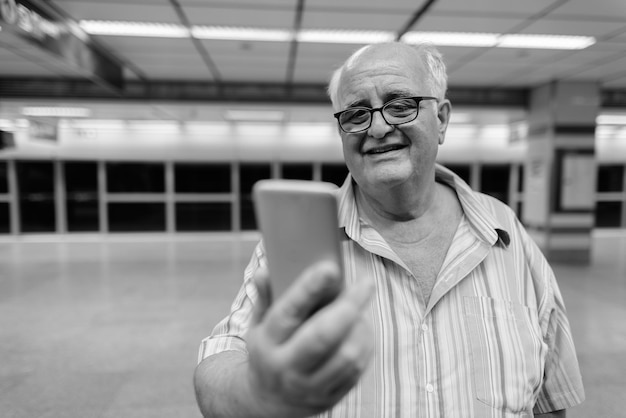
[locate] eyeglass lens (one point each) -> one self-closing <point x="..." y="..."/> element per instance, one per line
<point x="395" y="112"/>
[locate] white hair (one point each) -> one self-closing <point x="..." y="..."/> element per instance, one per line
<point x="437" y="77"/>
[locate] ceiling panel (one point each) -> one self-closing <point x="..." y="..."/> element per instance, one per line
<point x="491" y="7"/>
<point x="619" y="83"/>
<point x="602" y="70"/>
<point x="612" y="9"/>
<point x="268" y="4"/>
<point x="258" y="17"/>
<point x="572" y="27"/>
<point x="154" y="11"/>
<point x="250" y="61"/>
<point x="354" y="20"/>
<point x="127" y="45"/>
<point x="387" y="5"/>
<point x="480" y="72"/>
<point x="516" y="57"/>
<point x="441" y="23"/>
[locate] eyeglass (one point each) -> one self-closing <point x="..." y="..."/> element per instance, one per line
<point x="394" y="112"/>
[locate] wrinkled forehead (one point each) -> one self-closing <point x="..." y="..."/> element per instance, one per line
<point x="400" y="66"/>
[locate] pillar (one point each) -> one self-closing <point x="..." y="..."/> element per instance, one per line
<point x="560" y="169"/>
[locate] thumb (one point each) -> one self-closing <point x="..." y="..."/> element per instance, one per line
<point x="264" y="291"/>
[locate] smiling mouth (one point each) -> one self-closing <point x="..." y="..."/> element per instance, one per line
<point x="384" y="149"/>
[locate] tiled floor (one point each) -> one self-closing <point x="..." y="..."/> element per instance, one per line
<point x="110" y="328"/>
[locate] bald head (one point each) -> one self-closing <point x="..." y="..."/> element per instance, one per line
<point x="424" y="56"/>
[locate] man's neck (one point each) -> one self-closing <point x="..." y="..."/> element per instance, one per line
<point x="412" y="217"/>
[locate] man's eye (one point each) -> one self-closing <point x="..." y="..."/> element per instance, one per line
<point x="357" y="116"/>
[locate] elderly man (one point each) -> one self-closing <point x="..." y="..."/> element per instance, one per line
<point x="450" y="310"/>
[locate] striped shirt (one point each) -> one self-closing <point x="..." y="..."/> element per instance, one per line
<point x="492" y="341"/>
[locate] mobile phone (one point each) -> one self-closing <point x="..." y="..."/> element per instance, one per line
<point x="298" y="222"/>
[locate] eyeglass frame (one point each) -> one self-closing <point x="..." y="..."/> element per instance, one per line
<point x="371" y="111"/>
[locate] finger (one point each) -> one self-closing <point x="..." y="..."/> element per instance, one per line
<point x="340" y="373"/>
<point x="327" y="330"/>
<point x="348" y="363"/>
<point x="317" y="284"/>
<point x="262" y="283"/>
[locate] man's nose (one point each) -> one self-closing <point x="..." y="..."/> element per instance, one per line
<point x="379" y="127"/>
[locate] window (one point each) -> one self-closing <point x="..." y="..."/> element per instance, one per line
<point x="334" y="173"/>
<point x="494" y="181"/>
<point x="136" y="217"/>
<point x="202" y="178"/>
<point x="4" y="178"/>
<point x="199" y="216"/>
<point x="610" y="178"/>
<point x="295" y="171"/>
<point x="5" y="220"/>
<point x="35" y="184"/>
<point x="248" y="175"/>
<point x="462" y="170"/>
<point x="135" y="177"/>
<point x="81" y="190"/>
<point x="608" y="214"/>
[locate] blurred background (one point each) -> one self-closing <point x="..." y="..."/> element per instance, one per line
<point x="131" y="133"/>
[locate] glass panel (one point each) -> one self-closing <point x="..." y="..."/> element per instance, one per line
<point x="136" y="217"/>
<point x="295" y="171"/>
<point x="610" y="178"/>
<point x="37" y="216"/>
<point x="81" y="177"/>
<point x="462" y="170"/>
<point x="494" y="181"/>
<point x="83" y="215"/>
<point x="520" y="180"/>
<point x="248" y="175"/>
<point x="135" y="177"/>
<point x="4" y="178"/>
<point x="5" y="218"/>
<point x="334" y="173"/>
<point x="35" y="177"/>
<point x="203" y="217"/>
<point x="81" y="185"/>
<point x="202" y="178"/>
<point x="608" y="214"/>
<point x="35" y="184"/>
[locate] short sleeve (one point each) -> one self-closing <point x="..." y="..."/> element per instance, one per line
<point x="562" y="385"/>
<point x="229" y="333"/>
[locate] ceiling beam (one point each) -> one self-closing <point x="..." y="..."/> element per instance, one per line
<point x="47" y="88"/>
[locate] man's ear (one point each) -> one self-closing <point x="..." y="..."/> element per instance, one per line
<point x="444" y="108"/>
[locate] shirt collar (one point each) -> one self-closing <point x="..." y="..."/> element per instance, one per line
<point x="483" y="222"/>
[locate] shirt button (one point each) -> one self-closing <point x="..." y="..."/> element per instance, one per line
<point x="429" y="388"/>
<point x="424" y="327"/>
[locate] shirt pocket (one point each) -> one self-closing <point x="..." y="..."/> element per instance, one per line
<point x="507" y="353"/>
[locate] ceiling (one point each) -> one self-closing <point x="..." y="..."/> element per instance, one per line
<point x="146" y="60"/>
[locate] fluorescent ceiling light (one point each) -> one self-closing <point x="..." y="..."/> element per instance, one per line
<point x="452" y="38"/>
<point x="254" y="115"/>
<point x="462" y="39"/>
<point x="545" y="41"/>
<point x="611" y="120"/>
<point x="147" y="29"/>
<point x="241" y="34"/>
<point x="57" y="112"/>
<point x="344" y="36"/>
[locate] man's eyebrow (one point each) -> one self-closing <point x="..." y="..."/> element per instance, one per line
<point x="359" y="103"/>
<point x="396" y="94"/>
